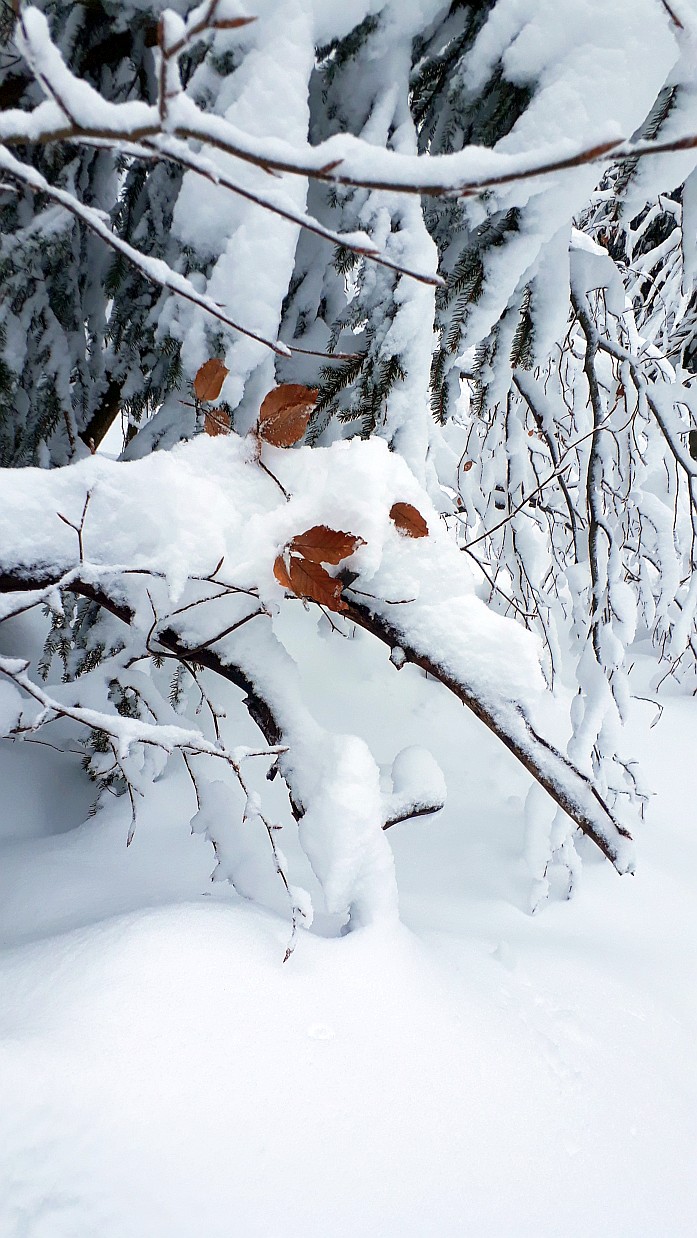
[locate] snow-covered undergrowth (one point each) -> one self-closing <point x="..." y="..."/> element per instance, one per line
<point x="185" y="547"/>
<point x="472" y="1070"/>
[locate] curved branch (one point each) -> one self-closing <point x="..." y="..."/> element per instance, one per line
<point x="572" y="790"/>
<point x="414" y="179"/>
<point x="568" y="787"/>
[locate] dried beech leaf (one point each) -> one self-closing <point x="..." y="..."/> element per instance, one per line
<point x="323" y="545"/>
<point x="469" y="464"/>
<point x="285" y="412"/>
<point x="209" y="380"/>
<point x="216" y="421"/>
<point x="309" y="580"/>
<point x="408" y="520"/>
<point x="287" y="427"/>
<point x="280" y="571"/>
<point x="232" y="23"/>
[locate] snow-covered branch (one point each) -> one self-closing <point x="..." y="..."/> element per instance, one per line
<point x="80" y="113"/>
<point x="154" y="269"/>
<point x="450" y="634"/>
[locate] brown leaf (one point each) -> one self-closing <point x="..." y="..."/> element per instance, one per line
<point x="285" y="412"/>
<point x="280" y="571"/>
<point x="216" y="421"/>
<point x="408" y="520"/>
<point x="309" y="580"/>
<point x="323" y="545"/>
<point x="469" y="464"/>
<point x="209" y="380"/>
<point x="232" y="23"/>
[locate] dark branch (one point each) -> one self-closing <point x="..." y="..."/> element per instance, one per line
<point x="567" y="786"/>
<point x="547" y="765"/>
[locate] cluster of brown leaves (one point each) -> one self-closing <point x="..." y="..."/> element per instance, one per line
<point x="283" y="420"/>
<point x="299" y="566"/>
<point x="283" y="416"/>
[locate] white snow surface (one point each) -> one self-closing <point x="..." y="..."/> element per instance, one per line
<point x="470" y="1070"/>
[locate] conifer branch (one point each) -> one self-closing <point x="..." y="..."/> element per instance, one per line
<point x="154" y="269"/>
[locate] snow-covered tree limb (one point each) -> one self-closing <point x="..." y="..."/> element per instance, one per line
<point x="79" y="113"/>
<point x="445" y="630"/>
<point x="572" y="791"/>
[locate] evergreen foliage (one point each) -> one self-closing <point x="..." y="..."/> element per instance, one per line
<point x="78" y="327"/>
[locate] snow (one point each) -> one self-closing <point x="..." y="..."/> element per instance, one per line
<point x="642" y="62"/>
<point x="474" y="1069"/>
<point x="341" y="832"/>
<point x="366" y="979"/>
<point x="416" y="778"/>
<point x="10" y="707"/>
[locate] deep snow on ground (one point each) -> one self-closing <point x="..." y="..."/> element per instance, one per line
<point x="475" y="1071"/>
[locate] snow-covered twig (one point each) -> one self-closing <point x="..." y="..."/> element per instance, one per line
<point x="154" y="269"/>
<point x="345" y="160"/>
<point x="126" y="732"/>
<point x="572" y="790"/>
